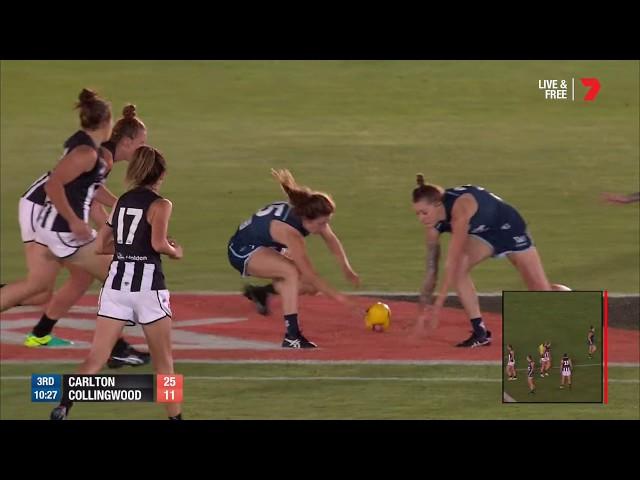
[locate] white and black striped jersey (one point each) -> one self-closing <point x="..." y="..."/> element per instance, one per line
<point x="531" y="369"/>
<point x="35" y="193"/>
<point x="80" y="191"/>
<point x="566" y="365"/>
<point x="512" y="357"/>
<point x="136" y="266"/>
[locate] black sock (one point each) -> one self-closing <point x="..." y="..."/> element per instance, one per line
<point x="291" y="322"/>
<point x="2" y="285"/>
<point x="269" y="289"/>
<point x="120" y="347"/>
<point x="67" y="404"/>
<point x="478" y="327"/>
<point x="44" y="326"/>
<point x="177" y="417"/>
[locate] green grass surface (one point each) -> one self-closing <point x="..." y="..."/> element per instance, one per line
<point x="477" y="389"/>
<point x="359" y="130"/>
<point x="562" y="318"/>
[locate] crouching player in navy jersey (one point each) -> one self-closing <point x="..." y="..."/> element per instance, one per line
<point x="257" y="248"/>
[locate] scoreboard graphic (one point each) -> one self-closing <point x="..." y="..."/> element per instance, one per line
<point x="106" y="388"/>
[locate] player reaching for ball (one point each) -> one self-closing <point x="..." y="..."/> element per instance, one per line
<point x="482" y="225"/>
<point x="271" y="244"/>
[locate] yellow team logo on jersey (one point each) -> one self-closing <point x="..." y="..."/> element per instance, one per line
<point x="378" y="317"/>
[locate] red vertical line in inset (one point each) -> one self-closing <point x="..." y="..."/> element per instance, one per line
<point x="606" y="346"/>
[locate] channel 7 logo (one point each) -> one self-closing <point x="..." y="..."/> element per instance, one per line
<point x="593" y="84"/>
<point x="562" y="90"/>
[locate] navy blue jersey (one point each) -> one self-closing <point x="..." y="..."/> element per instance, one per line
<point x="496" y="222"/>
<point x="492" y="214"/>
<point x="80" y="191"/>
<point x="591" y="338"/>
<point x="512" y="357"/>
<point x="136" y="266"/>
<point x="255" y="231"/>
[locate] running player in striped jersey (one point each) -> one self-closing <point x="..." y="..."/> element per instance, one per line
<point x="257" y="247"/>
<point x="62" y="234"/>
<point x="591" y="341"/>
<point x="566" y="367"/>
<point x="135" y="292"/>
<point x="511" y="363"/>
<point x="128" y="133"/>
<point x="482" y="226"/>
<point x="531" y="371"/>
<point x="545" y="361"/>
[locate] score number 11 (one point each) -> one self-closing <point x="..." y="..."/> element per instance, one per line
<point x="169" y="388"/>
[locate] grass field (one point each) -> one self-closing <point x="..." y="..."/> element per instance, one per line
<point x="562" y="318"/>
<point x="231" y="391"/>
<point x="359" y="130"/>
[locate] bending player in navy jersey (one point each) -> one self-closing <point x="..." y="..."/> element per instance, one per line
<point x="127" y="134"/>
<point x="482" y="225"/>
<point x="135" y="291"/>
<point x="257" y="247"/>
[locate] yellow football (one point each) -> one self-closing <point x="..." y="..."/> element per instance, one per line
<point x="378" y="317"/>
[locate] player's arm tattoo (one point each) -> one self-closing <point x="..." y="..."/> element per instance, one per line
<point x="431" y="276"/>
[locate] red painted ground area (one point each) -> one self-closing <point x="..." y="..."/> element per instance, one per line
<point x="339" y="334"/>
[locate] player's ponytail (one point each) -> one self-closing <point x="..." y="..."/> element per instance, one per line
<point x="128" y="126"/>
<point x="94" y="111"/>
<point x="146" y="167"/>
<point x="306" y="203"/>
<point x="426" y="191"/>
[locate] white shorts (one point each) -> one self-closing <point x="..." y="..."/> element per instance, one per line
<point x="566" y="374"/>
<point x="28" y="212"/>
<point x="510" y="364"/>
<point x="61" y="244"/>
<point x="134" y="308"/>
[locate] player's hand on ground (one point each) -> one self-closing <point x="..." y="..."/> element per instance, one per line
<point x="418" y="328"/>
<point x="434" y="316"/>
<point x="81" y="230"/>
<point x="352" y="276"/>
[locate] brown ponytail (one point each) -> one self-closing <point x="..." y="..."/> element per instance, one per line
<point x="426" y="191"/>
<point x="306" y="203"/>
<point x="94" y="111"/>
